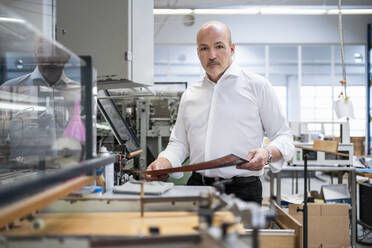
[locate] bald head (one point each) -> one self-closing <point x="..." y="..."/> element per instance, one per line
<point x="215" y="26"/>
<point x="215" y="49"/>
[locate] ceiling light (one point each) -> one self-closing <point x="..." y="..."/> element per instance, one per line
<point x="249" y="11"/>
<point x="350" y="11"/>
<point x="291" y="11"/>
<point x="263" y="10"/>
<point x="172" y="11"/>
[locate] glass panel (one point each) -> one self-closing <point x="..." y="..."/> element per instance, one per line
<point x="176" y="63"/>
<point x="354" y="64"/>
<point x="42" y="113"/>
<point x="161" y="54"/>
<point x="251" y="58"/>
<point x="281" y="92"/>
<point x="316" y="65"/>
<point x="282" y="64"/>
<point x="316" y="103"/>
<point x="183" y="54"/>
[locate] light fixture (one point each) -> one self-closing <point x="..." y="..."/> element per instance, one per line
<point x="291" y="11"/>
<point x="249" y="11"/>
<point x="350" y="11"/>
<point x="358" y="58"/>
<point x="188" y="20"/>
<point x="263" y="11"/>
<point x="172" y="11"/>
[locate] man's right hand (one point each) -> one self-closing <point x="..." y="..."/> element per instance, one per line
<point x="158" y="164"/>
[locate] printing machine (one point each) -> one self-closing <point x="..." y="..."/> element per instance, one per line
<point x="149" y="115"/>
<point x="47" y="199"/>
<point x="48" y="210"/>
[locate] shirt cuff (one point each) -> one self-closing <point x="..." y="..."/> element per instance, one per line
<point x="287" y="154"/>
<point x="277" y="165"/>
<point x="174" y="162"/>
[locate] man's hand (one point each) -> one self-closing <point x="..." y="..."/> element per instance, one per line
<point x="158" y="164"/>
<point x="257" y="159"/>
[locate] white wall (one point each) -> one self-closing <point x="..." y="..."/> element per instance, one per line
<point x="266" y="29"/>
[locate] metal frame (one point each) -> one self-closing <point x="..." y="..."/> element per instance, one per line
<point x="171" y="83"/>
<point x="352" y="185"/>
<point x="17" y="191"/>
<point x="116" y="133"/>
<point x="87" y="82"/>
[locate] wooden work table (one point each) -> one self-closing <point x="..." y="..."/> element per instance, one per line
<point x="115" y="223"/>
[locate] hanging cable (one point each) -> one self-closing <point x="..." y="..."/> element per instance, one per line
<point x="340" y="29"/>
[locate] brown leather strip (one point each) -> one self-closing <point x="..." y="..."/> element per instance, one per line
<point x="229" y="160"/>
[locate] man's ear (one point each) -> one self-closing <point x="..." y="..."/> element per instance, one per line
<point x="232" y="47"/>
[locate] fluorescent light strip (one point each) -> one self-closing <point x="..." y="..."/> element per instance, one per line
<point x="263" y="11"/>
<point x="13" y="20"/>
<point x="172" y="11"/>
<point x="350" y="11"/>
<point x="250" y="11"/>
<point x="291" y="11"/>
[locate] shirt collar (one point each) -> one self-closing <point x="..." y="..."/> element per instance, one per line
<point x="36" y="75"/>
<point x="232" y="70"/>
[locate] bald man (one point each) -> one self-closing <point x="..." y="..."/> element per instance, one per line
<point x="227" y="111"/>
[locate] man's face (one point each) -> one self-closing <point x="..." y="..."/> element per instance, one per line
<point x="50" y="55"/>
<point x="214" y="51"/>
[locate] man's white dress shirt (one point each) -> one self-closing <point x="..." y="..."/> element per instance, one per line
<point x="230" y="116"/>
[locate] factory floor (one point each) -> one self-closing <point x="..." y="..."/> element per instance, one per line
<point x="317" y="181"/>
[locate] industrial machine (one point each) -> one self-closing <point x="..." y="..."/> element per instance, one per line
<point x="55" y="202"/>
<point x="323" y="158"/>
<point x="148" y="118"/>
<point x="306" y="132"/>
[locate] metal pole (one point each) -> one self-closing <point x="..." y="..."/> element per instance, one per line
<point x="292" y="182"/>
<point x="305" y="204"/>
<point x="278" y="188"/>
<point x="353" y="208"/>
<point x="368" y="88"/>
<point x="256" y="243"/>
<point x="296" y="182"/>
<point x="271" y="185"/>
<point x="87" y="81"/>
<point x="159" y="144"/>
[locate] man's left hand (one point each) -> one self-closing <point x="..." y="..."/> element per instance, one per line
<point x="257" y="159"/>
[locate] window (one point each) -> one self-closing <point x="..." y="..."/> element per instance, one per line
<point x="321" y="73"/>
<point x="176" y="63"/>
<point x="306" y="88"/>
<point x="281" y="92"/>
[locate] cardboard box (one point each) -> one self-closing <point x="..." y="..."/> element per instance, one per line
<point x="328" y="225"/>
<point x="359" y="145"/>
